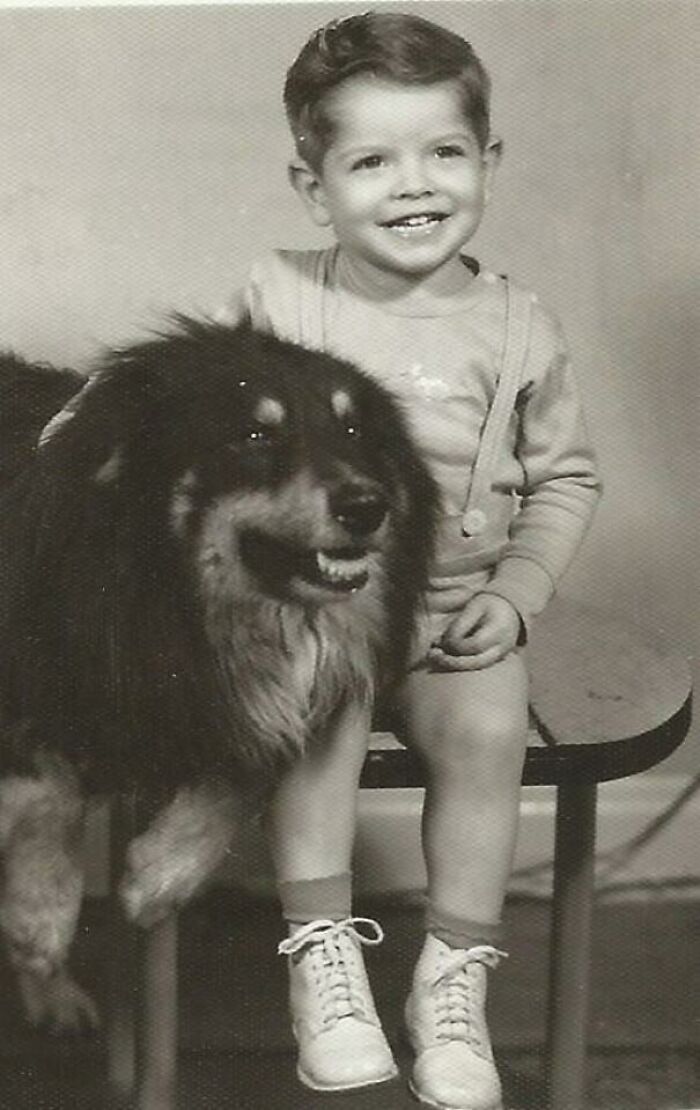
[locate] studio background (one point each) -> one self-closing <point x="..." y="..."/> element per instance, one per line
<point x="142" y="167"/>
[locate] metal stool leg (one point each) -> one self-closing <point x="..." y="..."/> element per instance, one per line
<point x="142" y="1018"/>
<point x="121" y="1008"/>
<point x="157" y="1028"/>
<point x="570" y="956"/>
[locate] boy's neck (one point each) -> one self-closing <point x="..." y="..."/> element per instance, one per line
<point x="386" y="286"/>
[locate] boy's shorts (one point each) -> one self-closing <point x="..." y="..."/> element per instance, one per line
<point x="445" y="597"/>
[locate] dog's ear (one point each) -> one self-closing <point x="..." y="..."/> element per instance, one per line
<point x="79" y="458"/>
<point x="30" y="395"/>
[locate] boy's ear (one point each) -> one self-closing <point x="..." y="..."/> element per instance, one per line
<point x="491" y="157"/>
<point x="308" y="186"/>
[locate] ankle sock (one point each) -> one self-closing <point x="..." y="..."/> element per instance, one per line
<point x="461" y="932"/>
<point x="305" y="900"/>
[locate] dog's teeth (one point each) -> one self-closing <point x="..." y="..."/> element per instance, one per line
<point x="340" y="570"/>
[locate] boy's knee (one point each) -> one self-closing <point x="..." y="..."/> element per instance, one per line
<point x="459" y="721"/>
<point x="476" y="735"/>
<point x="485" y="729"/>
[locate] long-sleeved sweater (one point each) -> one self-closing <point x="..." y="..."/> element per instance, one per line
<point x="516" y="503"/>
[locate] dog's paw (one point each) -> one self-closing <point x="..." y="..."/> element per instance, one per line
<point x="161" y="875"/>
<point x="56" y="1003"/>
<point x="153" y="888"/>
<point x="174" y="857"/>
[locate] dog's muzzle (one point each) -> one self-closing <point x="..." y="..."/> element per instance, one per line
<point x="339" y="563"/>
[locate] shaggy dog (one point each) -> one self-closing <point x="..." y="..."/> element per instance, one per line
<point x="214" y="550"/>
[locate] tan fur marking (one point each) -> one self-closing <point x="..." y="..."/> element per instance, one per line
<point x="269" y="411"/>
<point x="109" y="471"/>
<point x="341" y="403"/>
<point x="181" y="502"/>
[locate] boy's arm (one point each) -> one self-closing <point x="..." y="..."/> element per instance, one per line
<point x="559" y="495"/>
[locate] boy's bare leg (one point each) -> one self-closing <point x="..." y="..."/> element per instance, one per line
<point x="312" y="816"/>
<point x="471" y="730"/>
<point x="311" y="831"/>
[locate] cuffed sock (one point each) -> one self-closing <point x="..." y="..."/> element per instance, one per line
<point x="305" y="900"/>
<point x="461" y="932"/>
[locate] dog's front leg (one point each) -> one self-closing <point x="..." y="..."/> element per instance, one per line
<point x="41" y="821"/>
<point x="179" y="850"/>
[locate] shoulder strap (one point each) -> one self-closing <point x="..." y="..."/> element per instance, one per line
<point x="517" y="334"/>
<point x="286" y="295"/>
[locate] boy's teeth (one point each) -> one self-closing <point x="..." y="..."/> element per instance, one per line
<point x="415" y="221"/>
<point x="411" y="224"/>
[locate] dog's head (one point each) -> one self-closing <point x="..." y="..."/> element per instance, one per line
<point x="289" y="474"/>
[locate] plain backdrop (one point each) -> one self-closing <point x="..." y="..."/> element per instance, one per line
<point x="143" y="154"/>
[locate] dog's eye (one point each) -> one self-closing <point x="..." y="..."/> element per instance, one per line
<point x="253" y="438"/>
<point x="258" y="436"/>
<point x="352" y="429"/>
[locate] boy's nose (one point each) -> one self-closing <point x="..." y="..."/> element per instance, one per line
<point x="412" y="180"/>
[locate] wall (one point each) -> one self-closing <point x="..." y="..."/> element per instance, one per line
<point x="142" y="166"/>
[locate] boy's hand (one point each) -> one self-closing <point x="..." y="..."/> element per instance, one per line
<point x="485" y="631"/>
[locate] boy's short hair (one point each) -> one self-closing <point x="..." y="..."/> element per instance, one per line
<point x="397" y="47"/>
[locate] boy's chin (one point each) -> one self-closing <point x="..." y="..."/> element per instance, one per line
<point x="414" y="266"/>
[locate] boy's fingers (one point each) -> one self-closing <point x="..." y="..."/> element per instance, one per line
<point x="470" y="645"/>
<point x="457" y="641"/>
<point x="463" y="628"/>
<point x="443" y="662"/>
<point x="467" y="626"/>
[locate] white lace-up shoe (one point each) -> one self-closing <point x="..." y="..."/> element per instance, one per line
<point x="341" y="1043"/>
<point x="454" y="1067"/>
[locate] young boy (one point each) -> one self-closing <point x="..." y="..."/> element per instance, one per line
<point x="390" y="116"/>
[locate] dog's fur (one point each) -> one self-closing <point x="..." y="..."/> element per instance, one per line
<point x="211" y="554"/>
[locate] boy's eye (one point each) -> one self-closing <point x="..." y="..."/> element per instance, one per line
<point x="368" y="162"/>
<point x="449" y="150"/>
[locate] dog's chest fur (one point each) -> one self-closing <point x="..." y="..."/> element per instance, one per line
<point x="286" y="669"/>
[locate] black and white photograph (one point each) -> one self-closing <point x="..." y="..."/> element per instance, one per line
<point x="349" y="547"/>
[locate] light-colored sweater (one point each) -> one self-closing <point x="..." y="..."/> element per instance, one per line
<point x="442" y="358"/>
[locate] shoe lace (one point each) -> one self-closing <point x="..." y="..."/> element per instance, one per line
<point x="459" y="996"/>
<point x="325" y="942"/>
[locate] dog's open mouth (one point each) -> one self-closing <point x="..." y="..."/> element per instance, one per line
<point x="340" y="570"/>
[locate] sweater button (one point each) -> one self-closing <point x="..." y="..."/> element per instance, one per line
<point x="474" y="522"/>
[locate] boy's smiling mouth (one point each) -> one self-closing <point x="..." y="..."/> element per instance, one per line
<point x="421" y="222"/>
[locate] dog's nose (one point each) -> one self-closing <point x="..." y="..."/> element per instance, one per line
<point x="359" y="510"/>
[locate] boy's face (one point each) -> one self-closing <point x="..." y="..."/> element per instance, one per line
<point x="404" y="183"/>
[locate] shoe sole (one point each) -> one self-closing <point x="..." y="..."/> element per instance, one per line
<point x="308" y="1082"/>
<point x="406" y="1038"/>
<point x="445" y="1106"/>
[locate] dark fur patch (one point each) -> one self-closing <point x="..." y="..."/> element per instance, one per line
<point x="221" y="545"/>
